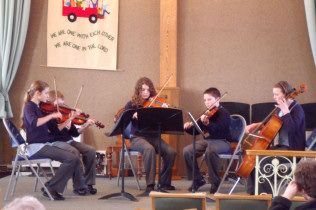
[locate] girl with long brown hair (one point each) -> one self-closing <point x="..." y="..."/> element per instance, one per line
<point x="37" y="128"/>
<point x="147" y="144"/>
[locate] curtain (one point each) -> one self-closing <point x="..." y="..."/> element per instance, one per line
<point x="14" y="18"/>
<point x="310" y="8"/>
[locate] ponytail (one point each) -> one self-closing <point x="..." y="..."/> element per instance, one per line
<point x="37" y="85"/>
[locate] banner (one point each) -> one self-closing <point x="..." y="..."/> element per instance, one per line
<point x="82" y="34"/>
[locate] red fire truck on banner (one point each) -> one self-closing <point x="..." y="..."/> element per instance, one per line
<point x="78" y="8"/>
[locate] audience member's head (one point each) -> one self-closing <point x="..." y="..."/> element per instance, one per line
<point x="25" y="203"/>
<point x="305" y="177"/>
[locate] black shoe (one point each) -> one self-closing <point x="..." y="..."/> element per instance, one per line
<point x="149" y="188"/>
<point x="214" y="188"/>
<point x="167" y="187"/>
<point x="81" y="192"/>
<point x="197" y="184"/>
<point x="56" y="196"/>
<point x="92" y="190"/>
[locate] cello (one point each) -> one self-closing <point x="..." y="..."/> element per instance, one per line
<point x="262" y="136"/>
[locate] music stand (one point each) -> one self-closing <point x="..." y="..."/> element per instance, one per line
<point x="159" y="121"/>
<point x="199" y="130"/>
<point x="118" y="129"/>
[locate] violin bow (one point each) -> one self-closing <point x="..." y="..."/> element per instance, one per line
<point x="163" y="87"/>
<point x="55" y="87"/>
<point x="79" y="94"/>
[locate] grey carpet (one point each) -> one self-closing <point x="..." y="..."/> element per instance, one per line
<point x="105" y="186"/>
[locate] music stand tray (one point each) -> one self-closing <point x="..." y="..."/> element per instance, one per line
<point x="157" y="121"/>
<point x="118" y="129"/>
<point x="160" y="121"/>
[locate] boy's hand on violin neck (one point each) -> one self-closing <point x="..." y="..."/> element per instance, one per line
<point x="90" y="122"/>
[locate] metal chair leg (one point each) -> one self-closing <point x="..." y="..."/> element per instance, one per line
<point x="36" y="180"/>
<point x="119" y="169"/>
<point x="51" y="168"/>
<point x="43" y="184"/>
<point x="17" y="174"/>
<point x="10" y="181"/>
<point x="133" y="168"/>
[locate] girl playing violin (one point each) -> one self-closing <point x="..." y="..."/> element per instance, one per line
<point x="292" y="133"/>
<point x="147" y="144"/>
<point x="64" y="133"/>
<point x="217" y="126"/>
<point x="37" y="126"/>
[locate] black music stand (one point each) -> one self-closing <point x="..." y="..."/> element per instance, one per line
<point x="118" y="129"/>
<point x="159" y="121"/>
<point x="199" y="130"/>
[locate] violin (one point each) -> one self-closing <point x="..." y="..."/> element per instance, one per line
<point x="66" y="113"/>
<point x="211" y="112"/>
<point x="154" y="102"/>
<point x="151" y="102"/>
<point x="48" y="107"/>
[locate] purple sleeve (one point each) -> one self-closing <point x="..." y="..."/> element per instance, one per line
<point x="292" y="120"/>
<point x="30" y="115"/>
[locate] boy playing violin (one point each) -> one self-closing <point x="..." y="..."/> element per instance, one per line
<point x="147" y="144"/>
<point x="217" y="126"/>
<point x="83" y="181"/>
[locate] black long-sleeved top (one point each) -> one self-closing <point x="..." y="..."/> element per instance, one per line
<point x="34" y="133"/>
<point x="281" y="203"/>
<point x="218" y="128"/>
<point x="64" y="134"/>
<point x="294" y="124"/>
